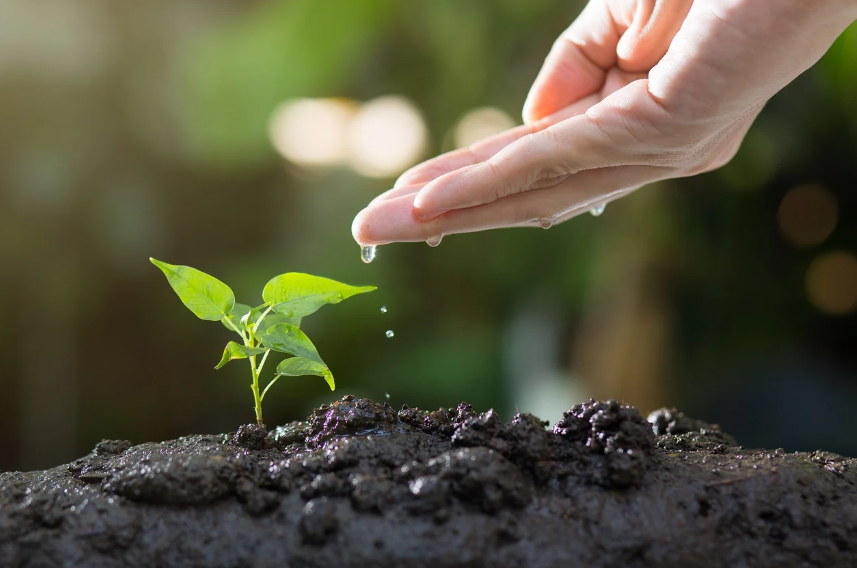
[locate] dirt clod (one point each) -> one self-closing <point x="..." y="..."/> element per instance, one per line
<point x="251" y="436"/>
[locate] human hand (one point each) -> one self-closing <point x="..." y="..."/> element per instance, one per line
<point x="633" y="92"/>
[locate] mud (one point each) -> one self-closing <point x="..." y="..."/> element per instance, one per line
<point x="362" y="484"/>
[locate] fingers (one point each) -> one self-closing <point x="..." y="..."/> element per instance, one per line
<point x="531" y="161"/>
<point x="484" y="149"/>
<point x="655" y="24"/>
<point x="578" y="61"/>
<point x="481" y="151"/>
<point x="540" y="160"/>
<point x="393" y="220"/>
<point x="398" y="191"/>
<point x="417" y="177"/>
<point x="632" y="35"/>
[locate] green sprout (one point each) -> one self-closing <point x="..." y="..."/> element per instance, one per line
<point x="288" y="298"/>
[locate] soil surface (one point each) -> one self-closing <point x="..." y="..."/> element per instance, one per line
<point x="360" y="484"/>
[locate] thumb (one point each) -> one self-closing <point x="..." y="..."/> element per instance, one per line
<point x="647" y="39"/>
<point x="577" y="63"/>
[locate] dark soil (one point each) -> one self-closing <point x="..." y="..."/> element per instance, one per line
<point x="361" y="484"/>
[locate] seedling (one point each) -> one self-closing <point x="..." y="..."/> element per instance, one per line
<point x="272" y="326"/>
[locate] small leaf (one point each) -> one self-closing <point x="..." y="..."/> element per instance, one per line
<point x="238" y="311"/>
<point x="206" y="296"/>
<point x="298" y="366"/>
<point x="297" y="295"/>
<point x="274" y="318"/>
<point x="235" y="351"/>
<point x="287" y="338"/>
<point x="271" y="320"/>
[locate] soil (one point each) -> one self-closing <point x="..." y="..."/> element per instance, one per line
<point x="361" y="484"/>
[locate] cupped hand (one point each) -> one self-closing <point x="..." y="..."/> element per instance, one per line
<point x="633" y="92"/>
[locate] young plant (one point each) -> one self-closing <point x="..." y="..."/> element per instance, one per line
<point x="272" y="326"/>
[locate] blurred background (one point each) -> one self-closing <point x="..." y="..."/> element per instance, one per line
<point x="241" y="137"/>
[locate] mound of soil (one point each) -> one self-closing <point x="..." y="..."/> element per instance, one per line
<point x="361" y="484"/>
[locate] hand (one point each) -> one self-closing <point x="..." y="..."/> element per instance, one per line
<point x="633" y="92"/>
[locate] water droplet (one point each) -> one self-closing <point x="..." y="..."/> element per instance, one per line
<point x="386" y="394"/>
<point x="434" y="241"/>
<point x="367" y="253"/>
<point x="389" y="333"/>
<point x="598" y="210"/>
<point x="383" y="309"/>
<point x="546" y="223"/>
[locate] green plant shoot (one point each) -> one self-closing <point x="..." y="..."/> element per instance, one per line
<point x="272" y="326"/>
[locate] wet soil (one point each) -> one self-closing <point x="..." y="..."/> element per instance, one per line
<point x="362" y="484"/>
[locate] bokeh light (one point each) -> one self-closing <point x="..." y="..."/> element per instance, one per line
<point x="831" y="282"/>
<point x="807" y="215"/>
<point x="481" y="123"/>
<point x="387" y="136"/>
<point x="312" y="132"/>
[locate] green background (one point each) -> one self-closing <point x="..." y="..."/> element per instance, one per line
<point x="137" y="129"/>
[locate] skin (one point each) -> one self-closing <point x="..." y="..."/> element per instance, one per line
<point x="634" y="91"/>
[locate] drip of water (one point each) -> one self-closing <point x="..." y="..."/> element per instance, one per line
<point x="598" y="210"/>
<point x="383" y="309"/>
<point x="386" y="394"/>
<point x="389" y="333"/>
<point x="546" y="223"/>
<point x="367" y="253"/>
<point x="434" y="241"/>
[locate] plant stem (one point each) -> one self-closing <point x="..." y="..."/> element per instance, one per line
<point x="238" y="331"/>
<point x="262" y="362"/>
<point x="258" y="323"/>
<point x="255" y="387"/>
<point x="274" y="380"/>
<point x="250" y="341"/>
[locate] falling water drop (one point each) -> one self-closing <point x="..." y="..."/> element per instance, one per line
<point x="598" y="210"/>
<point x="367" y="253"/>
<point x="389" y="333"/>
<point x="434" y="241"/>
<point x="387" y="395"/>
<point x="383" y="309"/>
<point x="546" y="222"/>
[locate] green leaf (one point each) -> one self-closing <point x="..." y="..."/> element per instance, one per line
<point x="272" y="318"/>
<point x="298" y="366"/>
<point x="296" y="295"/>
<point x="235" y="351"/>
<point x="238" y="311"/>
<point x="206" y="296"/>
<point x="287" y="338"/>
<point x="270" y="321"/>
